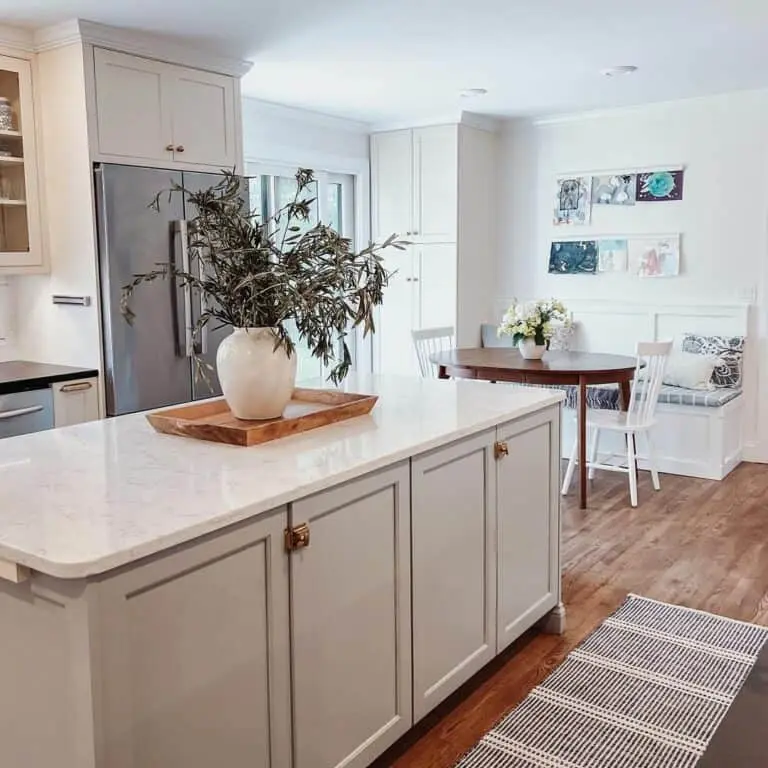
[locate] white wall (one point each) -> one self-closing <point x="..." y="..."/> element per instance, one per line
<point x="723" y="217"/>
<point x="274" y="133"/>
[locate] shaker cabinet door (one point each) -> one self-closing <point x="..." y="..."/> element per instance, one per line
<point x="351" y="622"/>
<point x="435" y="153"/>
<point x="204" y="118"/>
<point x="392" y="187"/>
<point x="194" y="655"/>
<point x="528" y="523"/>
<point x="21" y="241"/>
<point x="454" y="568"/>
<point x="436" y="285"/>
<point x="398" y="315"/>
<point x="133" y="116"/>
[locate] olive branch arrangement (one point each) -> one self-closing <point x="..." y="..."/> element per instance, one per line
<point x="264" y="274"/>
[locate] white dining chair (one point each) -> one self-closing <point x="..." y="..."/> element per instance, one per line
<point x="429" y="341"/>
<point x="637" y="420"/>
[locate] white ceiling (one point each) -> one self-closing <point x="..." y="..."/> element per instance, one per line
<point x="386" y="60"/>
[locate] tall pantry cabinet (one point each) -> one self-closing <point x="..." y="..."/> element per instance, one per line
<point x="435" y="188"/>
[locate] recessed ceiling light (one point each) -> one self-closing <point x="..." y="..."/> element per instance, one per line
<point x="624" y="69"/>
<point x="471" y="93"/>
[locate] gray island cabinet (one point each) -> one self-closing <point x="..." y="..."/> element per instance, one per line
<point x="166" y="603"/>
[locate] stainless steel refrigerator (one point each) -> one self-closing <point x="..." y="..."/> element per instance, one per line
<point x="149" y="364"/>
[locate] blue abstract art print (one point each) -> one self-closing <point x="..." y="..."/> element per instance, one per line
<point x="577" y="257"/>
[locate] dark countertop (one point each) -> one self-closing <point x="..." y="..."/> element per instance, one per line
<point x="740" y="740"/>
<point x="20" y="375"/>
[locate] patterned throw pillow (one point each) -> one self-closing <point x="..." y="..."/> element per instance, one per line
<point x="730" y="351"/>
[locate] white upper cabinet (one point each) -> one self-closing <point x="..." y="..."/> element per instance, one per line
<point x="133" y="116"/>
<point x="21" y="246"/>
<point x="204" y="118"/>
<point x="435" y="190"/>
<point x="392" y="203"/>
<point x="415" y="175"/>
<point x="148" y="111"/>
<point x="436" y="186"/>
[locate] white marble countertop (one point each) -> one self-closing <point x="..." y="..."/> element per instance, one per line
<point x="83" y="500"/>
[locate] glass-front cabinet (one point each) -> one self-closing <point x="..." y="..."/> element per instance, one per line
<point x="20" y="240"/>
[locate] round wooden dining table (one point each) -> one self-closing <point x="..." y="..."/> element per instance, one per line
<point x="556" y="368"/>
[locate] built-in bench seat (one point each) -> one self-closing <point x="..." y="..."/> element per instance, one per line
<point x="697" y="433"/>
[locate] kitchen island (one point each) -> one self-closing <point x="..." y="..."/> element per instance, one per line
<point x="172" y="603"/>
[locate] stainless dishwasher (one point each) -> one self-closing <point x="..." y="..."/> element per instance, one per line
<point x="23" y="412"/>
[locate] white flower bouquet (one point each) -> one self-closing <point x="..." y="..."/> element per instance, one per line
<point x="533" y="320"/>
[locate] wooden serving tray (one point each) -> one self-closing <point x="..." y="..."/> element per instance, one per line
<point x="308" y="409"/>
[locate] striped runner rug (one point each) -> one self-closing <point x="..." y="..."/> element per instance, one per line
<point x="647" y="689"/>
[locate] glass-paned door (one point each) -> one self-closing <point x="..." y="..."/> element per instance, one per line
<point x="14" y="234"/>
<point x="332" y="198"/>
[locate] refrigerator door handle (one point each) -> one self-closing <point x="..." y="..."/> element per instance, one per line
<point x="181" y="228"/>
<point x="203" y="346"/>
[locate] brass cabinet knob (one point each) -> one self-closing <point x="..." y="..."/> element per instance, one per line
<point x="169" y="148"/>
<point x="180" y="148"/>
<point x="297" y="537"/>
<point x="500" y="449"/>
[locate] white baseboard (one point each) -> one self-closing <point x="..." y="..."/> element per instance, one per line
<point x="756" y="452"/>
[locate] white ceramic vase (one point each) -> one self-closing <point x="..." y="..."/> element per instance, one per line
<point x="257" y="380"/>
<point x="530" y="350"/>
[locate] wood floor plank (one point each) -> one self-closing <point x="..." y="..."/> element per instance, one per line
<point x="698" y="543"/>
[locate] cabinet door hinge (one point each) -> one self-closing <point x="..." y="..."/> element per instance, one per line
<point x="500" y="448"/>
<point x="297" y="537"/>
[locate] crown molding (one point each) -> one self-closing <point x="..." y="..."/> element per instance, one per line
<point x="306" y="116"/>
<point x="458" y="117"/>
<point x="57" y="36"/>
<point x="633" y="109"/>
<point x="174" y="50"/>
<point x="16" y="39"/>
<point x="487" y="123"/>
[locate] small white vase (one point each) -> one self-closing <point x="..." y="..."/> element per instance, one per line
<point x="530" y="350"/>
<point x="257" y="380"/>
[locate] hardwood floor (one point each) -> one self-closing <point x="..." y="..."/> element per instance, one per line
<point x="698" y="543"/>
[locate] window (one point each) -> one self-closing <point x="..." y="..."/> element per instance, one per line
<point x="270" y="189"/>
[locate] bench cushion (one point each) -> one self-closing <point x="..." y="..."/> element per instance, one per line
<point x="607" y="396"/>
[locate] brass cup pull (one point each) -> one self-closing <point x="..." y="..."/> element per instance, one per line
<point x="180" y="148"/>
<point x="169" y="148"/>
